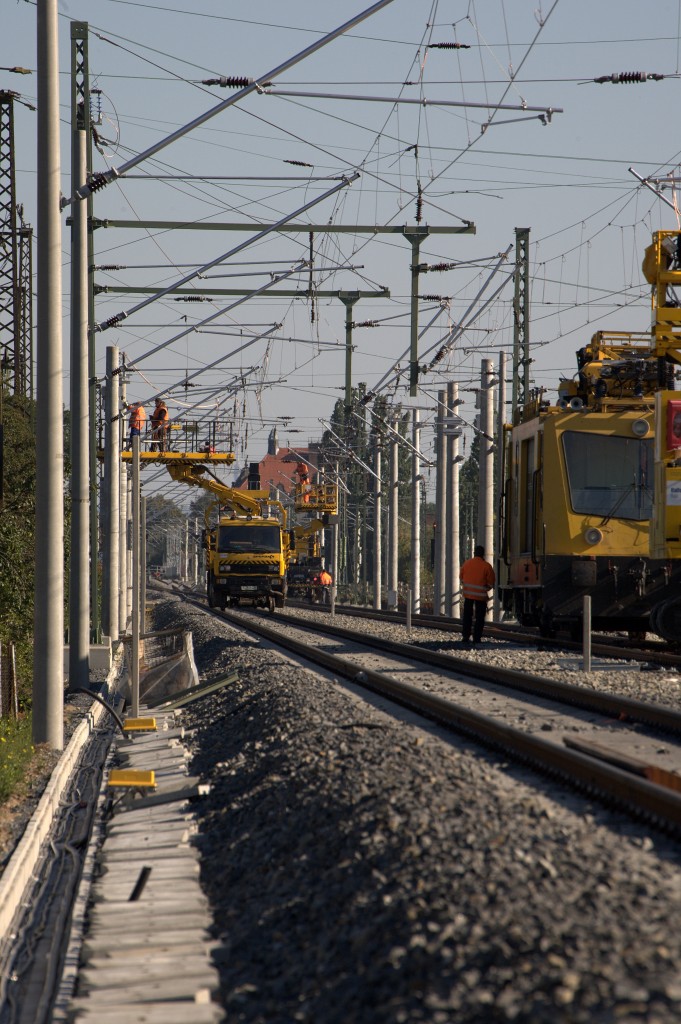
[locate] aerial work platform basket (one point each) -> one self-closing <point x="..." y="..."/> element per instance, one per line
<point x="162" y="458"/>
<point x="182" y="442"/>
<point x="316" y="498"/>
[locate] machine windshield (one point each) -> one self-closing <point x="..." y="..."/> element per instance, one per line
<point x="609" y="476"/>
<point x="251" y="539"/>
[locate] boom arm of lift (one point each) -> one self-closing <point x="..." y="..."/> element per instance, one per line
<point x="303" y="532"/>
<point x="252" y="503"/>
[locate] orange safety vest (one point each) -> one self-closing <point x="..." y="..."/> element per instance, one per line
<point x="159" y="415"/>
<point x="477" y="577"/>
<point x="137" y="417"/>
<point x="325" y="578"/>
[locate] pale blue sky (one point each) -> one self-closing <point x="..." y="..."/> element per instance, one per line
<point x="568" y="182"/>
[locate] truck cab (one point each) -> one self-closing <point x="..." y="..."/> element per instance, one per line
<point x="246" y="562"/>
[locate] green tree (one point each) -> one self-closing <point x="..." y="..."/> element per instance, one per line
<point x="17" y="533"/>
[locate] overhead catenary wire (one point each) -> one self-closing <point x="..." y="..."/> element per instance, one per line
<point x="108" y="176"/>
<point x="213" y="316"/>
<point x="113" y="321"/>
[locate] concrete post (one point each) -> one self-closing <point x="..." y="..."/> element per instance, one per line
<point x="439" y="573"/>
<point x="135" y="626"/>
<point x="128" y="535"/>
<point x="111" y="498"/>
<point x="334" y="571"/>
<point x="143" y="564"/>
<point x="501" y="419"/>
<point x="393" y="515"/>
<point x="123" y="552"/>
<point x="485" y="532"/>
<point x="453" y="557"/>
<point x="416" y="513"/>
<point x="79" y="565"/>
<point x="378" y="550"/>
<point x="48" y="651"/>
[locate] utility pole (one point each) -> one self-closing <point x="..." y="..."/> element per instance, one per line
<point x="135" y="624"/>
<point x="378" y="550"/>
<point x="453" y="556"/>
<point x="521" y="323"/>
<point x="143" y="563"/>
<point x="123" y="531"/>
<point x="439" y="570"/>
<point x="485" y="532"/>
<point x="499" y="490"/>
<point x="334" y="545"/>
<point x="393" y="513"/>
<point x="81" y="120"/>
<point x="111" y="497"/>
<point x="128" y="553"/>
<point x="416" y="513"/>
<point x="48" y="657"/>
<point x="415" y="235"/>
<point x="196" y="552"/>
<point x="16" y="286"/>
<point x="79" y="592"/>
<point x="348" y="299"/>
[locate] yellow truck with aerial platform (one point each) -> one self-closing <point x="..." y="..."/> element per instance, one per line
<point x="250" y="548"/>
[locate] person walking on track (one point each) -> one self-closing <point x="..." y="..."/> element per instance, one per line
<point x="477" y="579"/>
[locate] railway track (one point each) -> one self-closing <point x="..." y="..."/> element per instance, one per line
<point x="603" y="646"/>
<point x="593" y="750"/>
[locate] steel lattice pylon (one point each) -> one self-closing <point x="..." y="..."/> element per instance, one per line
<point x="16" y="348"/>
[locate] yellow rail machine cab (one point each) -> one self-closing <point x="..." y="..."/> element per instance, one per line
<point x="592" y="496"/>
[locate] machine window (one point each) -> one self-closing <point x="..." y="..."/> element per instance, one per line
<point x="609" y="476"/>
<point x="249" y="539"/>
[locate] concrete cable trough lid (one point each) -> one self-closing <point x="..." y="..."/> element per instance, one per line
<point x="147" y="952"/>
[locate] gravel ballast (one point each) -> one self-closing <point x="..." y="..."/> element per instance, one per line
<point x="361" y="869"/>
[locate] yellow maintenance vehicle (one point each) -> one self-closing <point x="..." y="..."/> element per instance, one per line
<point x="249" y="545"/>
<point x="305" y="564"/>
<point x="591" y="501"/>
<point x="248" y="548"/>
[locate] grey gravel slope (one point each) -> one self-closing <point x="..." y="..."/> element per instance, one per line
<point x="360" y="870"/>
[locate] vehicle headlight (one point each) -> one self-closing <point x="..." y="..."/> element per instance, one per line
<point x="593" y="536"/>
<point x="225" y="567"/>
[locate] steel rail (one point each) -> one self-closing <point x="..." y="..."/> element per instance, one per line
<point x="501" y="632"/>
<point x="629" y="708"/>
<point x="657" y="804"/>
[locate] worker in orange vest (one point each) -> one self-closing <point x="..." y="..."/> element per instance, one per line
<point x="138" y="418"/>
<point x="304" y="479"/>
<point x="159" y="426"/>
<point x="325" y="581"/>
<point x="477" y="579"/>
